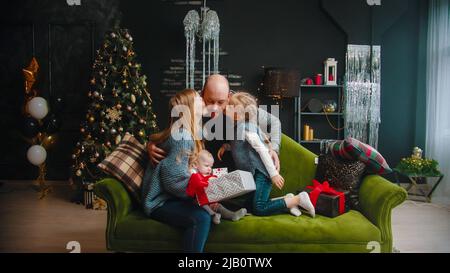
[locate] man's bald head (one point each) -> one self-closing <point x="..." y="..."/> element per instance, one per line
<point x="217" y="83"/>
<point x="216" y="92"/>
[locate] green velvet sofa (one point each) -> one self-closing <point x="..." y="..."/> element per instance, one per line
<point x="129" y="230"/>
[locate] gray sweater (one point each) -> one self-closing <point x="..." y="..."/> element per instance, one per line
<point x="245" y="156"/>
<point x="170" y="177"/>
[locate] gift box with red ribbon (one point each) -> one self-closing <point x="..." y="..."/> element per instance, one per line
<point x="211" y="189"/>
<point x="327" y="200"/>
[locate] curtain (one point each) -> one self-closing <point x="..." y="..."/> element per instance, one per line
<point x="438" y="93"/>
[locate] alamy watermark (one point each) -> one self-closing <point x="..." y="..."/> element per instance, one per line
<point x="230" y="124"/>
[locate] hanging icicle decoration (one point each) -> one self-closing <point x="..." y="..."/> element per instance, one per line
<point x="375" y="98"/>
<point x="191" y="24"/>
<point x="362" y="100"/>
<point x="210" y="31"/>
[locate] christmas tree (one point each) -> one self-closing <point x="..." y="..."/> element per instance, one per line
<point x="119" y="103"/>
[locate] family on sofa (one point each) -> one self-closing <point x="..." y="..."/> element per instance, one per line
<point x="176" y="172"/>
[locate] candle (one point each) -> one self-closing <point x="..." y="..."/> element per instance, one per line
<point x="306" y="132"/>
<point x="311" y="134"/>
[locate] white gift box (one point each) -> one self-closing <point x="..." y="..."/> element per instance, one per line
<point x="229" y="186"/>
<point x="220" y="171"/>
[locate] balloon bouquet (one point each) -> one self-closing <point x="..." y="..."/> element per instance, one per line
<point x="38" y="126"/>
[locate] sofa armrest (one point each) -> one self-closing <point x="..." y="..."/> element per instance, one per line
<point x="297" y="166"/>
<point x="378" y="197"/>
<point x="116" y="196"/>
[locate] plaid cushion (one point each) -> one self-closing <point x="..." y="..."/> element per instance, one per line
<point x="353" y="149"/>
<point x="127" y="163"/>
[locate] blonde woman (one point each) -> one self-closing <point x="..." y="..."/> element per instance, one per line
<point x="164" y="186"/>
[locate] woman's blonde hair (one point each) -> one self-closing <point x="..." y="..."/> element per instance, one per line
<point x="248" y="103"/>
<point x="183" y="98"/>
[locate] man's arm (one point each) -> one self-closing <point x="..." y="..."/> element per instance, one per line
<point x="155" y="153"/>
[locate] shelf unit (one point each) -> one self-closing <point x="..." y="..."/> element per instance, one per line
<point x="322" y="130"/>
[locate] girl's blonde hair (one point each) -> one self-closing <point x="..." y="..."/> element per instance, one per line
<point x="247" y="103"/>
<point x="250" y="106"/>
<point x="183" y="98"/>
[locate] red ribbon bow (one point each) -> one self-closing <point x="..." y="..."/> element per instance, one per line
<point x="196" y="187"/>
<point x="318" y="188"/>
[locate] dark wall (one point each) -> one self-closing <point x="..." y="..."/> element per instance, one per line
<point x="73" y="30"/>
<point x="254" y="33"/>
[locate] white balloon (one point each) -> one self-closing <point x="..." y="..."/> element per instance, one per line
<point x="36" y="155"/>
<point x="37" y="107"/>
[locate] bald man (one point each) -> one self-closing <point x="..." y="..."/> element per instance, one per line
<point x="216" y="95"/>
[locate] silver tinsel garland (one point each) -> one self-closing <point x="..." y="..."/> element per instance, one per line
<point x="191" y="24"/>
<point x="208" y="31"/>
<point x="362" y="100"/>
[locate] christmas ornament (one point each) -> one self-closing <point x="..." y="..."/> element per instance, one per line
<point x="118" y="139"/>
<point x="113" y="114"/>
<point x="113" y="131"/>
<point x="133" y="98"/>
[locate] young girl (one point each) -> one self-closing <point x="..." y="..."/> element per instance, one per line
<point x="251" y="154"/>
<point x="201" y="169"/>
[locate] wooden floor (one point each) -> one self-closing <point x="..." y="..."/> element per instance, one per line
<point x="28" y="224"/>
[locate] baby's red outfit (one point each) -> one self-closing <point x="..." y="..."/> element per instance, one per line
<point x="196" y="187"/>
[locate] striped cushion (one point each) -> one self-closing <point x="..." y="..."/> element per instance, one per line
<point x="353" y="149"/>
<point x="127" y="163"/>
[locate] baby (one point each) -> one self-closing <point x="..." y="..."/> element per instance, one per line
<point x="201" y="169"/>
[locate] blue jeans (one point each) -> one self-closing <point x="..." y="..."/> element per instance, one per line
<point x="262" y="205"/>
<point x="193" y="219"/>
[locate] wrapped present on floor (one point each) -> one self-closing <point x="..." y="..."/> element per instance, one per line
<point x="328" y="201"/>
<point x="88" y="195"/>
<point x="228" y="186"/>
<point x="220" y="171"/>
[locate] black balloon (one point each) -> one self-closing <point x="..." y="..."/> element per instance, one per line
<point x="30" y="127"/>
<point x="52" y="124"/>
<point x="57" y="105"/>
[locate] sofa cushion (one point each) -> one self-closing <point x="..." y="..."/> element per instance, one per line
<point x="341" y="174"/>
<point x="353" y="149"/>
<point x="127" y="163"/>
<point x="349" y="228"/>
